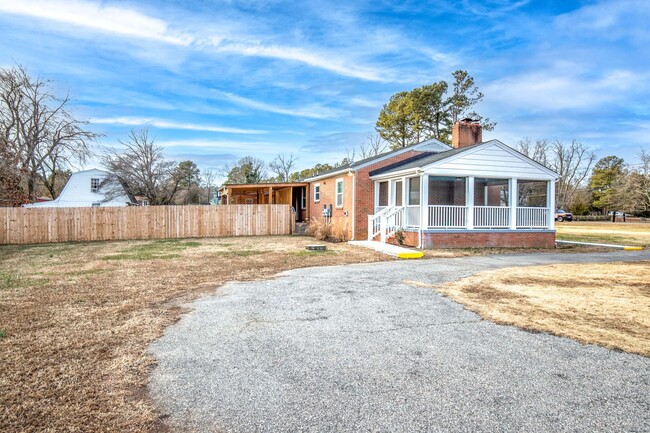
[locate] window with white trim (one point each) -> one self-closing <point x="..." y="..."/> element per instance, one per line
<point x="94" y="184"/>
<point x="339" y="192"/>
<point x="317" y="192"/>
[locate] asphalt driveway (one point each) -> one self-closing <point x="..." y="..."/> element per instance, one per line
<point x="355" y="349"/>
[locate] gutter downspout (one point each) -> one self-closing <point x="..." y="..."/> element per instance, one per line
<point x="354" y="204"/>
<point x="420" y="172"/>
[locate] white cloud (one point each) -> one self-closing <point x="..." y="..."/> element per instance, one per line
<point x="121" y="21"/>
<point x="313" y="111"/>
<point x="309" y="56"/>
<point x="166" y="124"/>
<point x="553" y="90"/>
<point x="234" y="145"/>
<point x="110" y="19"/>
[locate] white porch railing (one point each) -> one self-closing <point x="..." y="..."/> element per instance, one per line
<point x="388" y="220"/>
<point x="385" y="223"/>
<point x="491" y="217"/>
<point x="375" y="223"/>
<point x="394" y="221"/>
<point x="447" y="217"/>
<point x="532" y="217"/>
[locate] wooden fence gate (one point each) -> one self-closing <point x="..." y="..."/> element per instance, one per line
<point x="44" y="225"/>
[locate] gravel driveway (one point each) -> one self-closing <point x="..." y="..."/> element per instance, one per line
<point x="354" y="349"/>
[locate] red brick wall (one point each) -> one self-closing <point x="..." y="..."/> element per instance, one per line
<point x="485" y="239"/>
<point x="363" y="195"/>
<point x="328" y="196"/>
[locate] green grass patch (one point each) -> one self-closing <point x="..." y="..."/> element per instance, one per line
<point x="38" y="251"/>
<point x="242" y="253"/>
<point x="165" y="249"/>
<point x="601" y="239"/>
<point x="9" y="281"/>
<point x="305" y="253"/>
<point x="15" y="281"/>
<point x="3" y="334"/>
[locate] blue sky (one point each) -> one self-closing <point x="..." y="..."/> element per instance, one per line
<point x="218" y="80"/>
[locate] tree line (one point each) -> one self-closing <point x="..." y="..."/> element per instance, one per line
<point x="590" y="185"/>
<point x="281" y="169"/>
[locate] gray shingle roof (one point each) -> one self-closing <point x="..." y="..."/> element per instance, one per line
<point x="420" y="160"/>
<point x="366" y="160"/>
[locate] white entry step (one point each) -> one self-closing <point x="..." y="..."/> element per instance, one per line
<point x="391" y="250"/>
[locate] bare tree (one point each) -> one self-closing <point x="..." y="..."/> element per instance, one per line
<point x="38" y="128"/>
<point x="536" y="151"/>
<point x="282" y="166"/>
<point x="11" y="192"/>
<point x="573" y="162"/>
<point x="373" y="146"/>
<point x="208" y="178"/>
<point x="632" y="193"/>
<point x="143" y="170"/>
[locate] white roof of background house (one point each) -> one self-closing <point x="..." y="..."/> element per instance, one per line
<point x="77" y="192"/>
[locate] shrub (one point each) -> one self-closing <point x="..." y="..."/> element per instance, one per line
<point x="335" y="231"/>
<point x="399" y="236"/>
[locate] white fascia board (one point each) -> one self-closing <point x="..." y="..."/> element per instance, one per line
<point x="330" y="174"/>
<point x="393" y="174"/>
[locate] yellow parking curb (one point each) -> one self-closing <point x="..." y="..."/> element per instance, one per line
<point x="413" y="255"/>
<point x="632" y="248"/>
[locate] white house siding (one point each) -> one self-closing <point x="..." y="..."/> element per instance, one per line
<point x="77" y="192"/>
<point x="492" y="161"/>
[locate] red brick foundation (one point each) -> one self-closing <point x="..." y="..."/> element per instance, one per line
<point x="481" y="239"/>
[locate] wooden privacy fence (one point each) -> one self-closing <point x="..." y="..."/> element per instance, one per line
<point x="44" y="225"/>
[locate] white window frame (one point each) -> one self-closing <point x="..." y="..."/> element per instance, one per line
<point x="303" y="198"/>
<point x="316" y="192"/>
<point x="337" y="194"/>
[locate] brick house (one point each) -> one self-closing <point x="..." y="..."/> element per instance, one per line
<point x="472" y="194"/>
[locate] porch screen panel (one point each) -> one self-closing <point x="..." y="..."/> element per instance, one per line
<point x="532" y="193"/>
<point x="491" y="192"/>
<point x="446" y="191"/>
<point x="383" y="194"/>
<point x="414" y="191"/>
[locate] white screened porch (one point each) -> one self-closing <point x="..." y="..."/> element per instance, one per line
<point x="432" y="202"/>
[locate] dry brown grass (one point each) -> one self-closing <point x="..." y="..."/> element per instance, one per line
<point x="75" y="320"/>
<point x="606" y="304"/>
<point x="628" y="233"/>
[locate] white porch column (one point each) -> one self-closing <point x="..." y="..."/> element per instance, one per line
<point x="550" y="203"/>
<point x="424" y="201"/>
<point x="512" y="202"/>
<point x="375" y="197"/>
<point x="469" y="203"/>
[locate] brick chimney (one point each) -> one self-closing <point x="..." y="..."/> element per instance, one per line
<point x="466" y="132"/>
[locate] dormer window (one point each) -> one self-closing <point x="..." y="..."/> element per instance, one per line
<point x="94" y="184"/>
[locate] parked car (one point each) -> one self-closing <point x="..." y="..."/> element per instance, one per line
<point x="562" y="215"/>
<point x="618" y="213"/>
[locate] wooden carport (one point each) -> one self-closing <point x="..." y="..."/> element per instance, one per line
<point x="291" y="193"/>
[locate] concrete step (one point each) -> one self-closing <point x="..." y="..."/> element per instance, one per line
<point x="301" y="228"/>
<point x="391" y="250"/>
